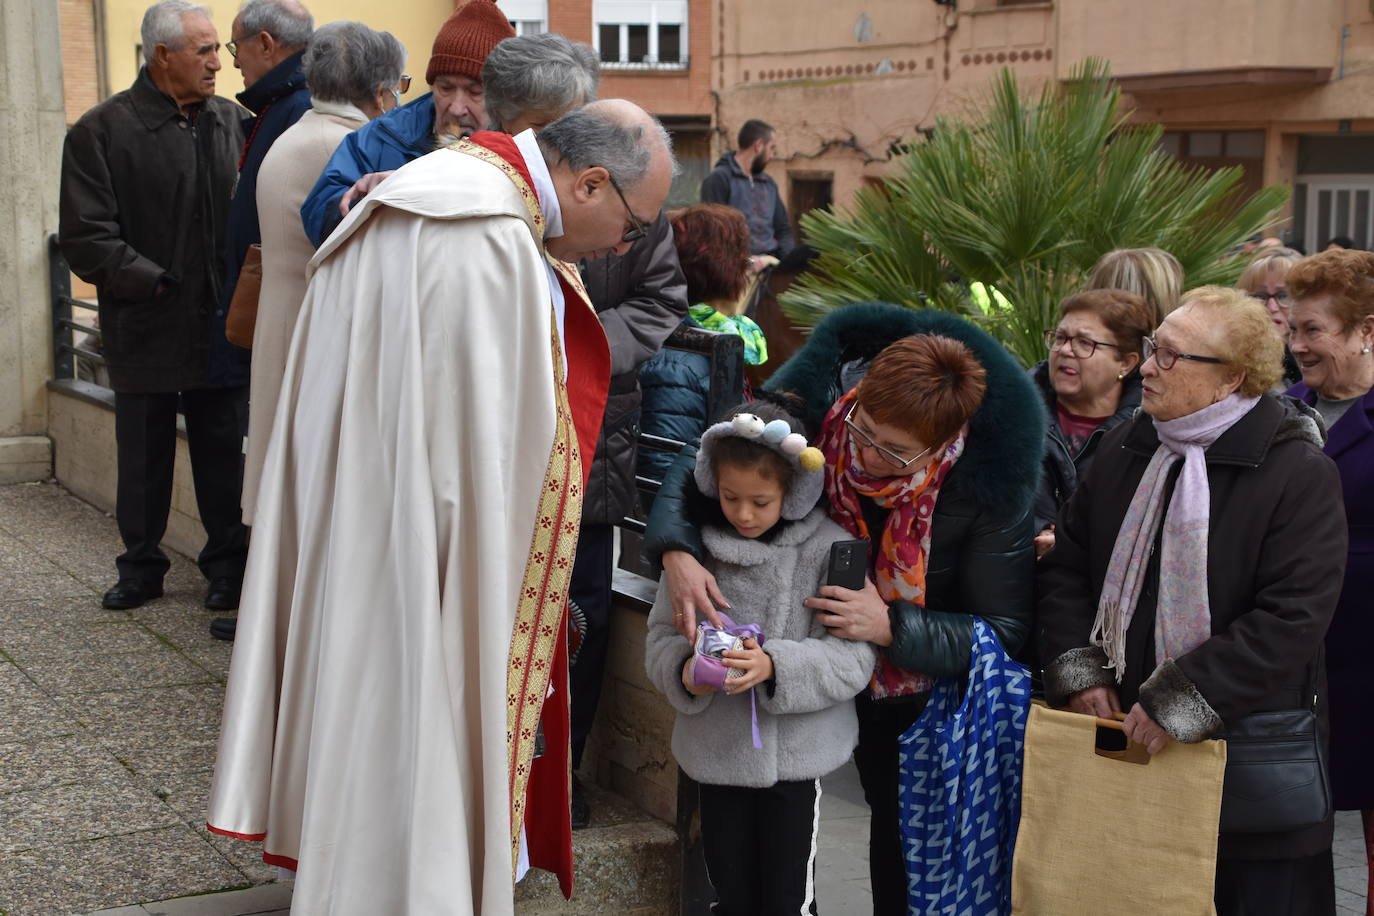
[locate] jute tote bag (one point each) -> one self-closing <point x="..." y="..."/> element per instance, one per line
<point x="1117" y="832"/>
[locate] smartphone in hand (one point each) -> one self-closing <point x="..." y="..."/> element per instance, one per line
<point x="848" y="567"/>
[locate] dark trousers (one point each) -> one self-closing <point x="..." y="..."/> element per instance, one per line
<point x="145" y="443"/>
<point x="881" y="723"/>
<point x="590" y="589"/>
<point x="760" y="847"/>
<point x="1276" y="887"/>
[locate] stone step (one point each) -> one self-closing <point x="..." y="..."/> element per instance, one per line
<point x="626" y="862"/>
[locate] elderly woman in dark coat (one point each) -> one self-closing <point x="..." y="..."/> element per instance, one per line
<point x="1332" y="338"/>
<point x="1196" y="569"/>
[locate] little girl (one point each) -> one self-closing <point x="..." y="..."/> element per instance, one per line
<point x="768" y="548"/>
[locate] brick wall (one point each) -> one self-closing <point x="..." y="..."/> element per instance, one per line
<point x="80" y="58"/>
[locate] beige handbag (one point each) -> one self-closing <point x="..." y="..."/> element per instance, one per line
<point x="1114" y="831"/>
<point x="243" y="308"/>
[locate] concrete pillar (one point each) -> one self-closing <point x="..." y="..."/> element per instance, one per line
<point x="32" y="124"/>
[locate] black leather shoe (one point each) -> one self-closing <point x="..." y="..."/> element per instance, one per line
<point x="128" y="594"/>
<point x="580" y="811"/>
<point x="223" y="594"/>
<point x="224" y="628"/>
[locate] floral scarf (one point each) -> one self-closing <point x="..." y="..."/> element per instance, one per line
<point x="755" y="346"/>
<point x="899" y="561"/>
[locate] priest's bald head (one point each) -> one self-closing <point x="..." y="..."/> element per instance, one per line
<point x="611" y="164"/>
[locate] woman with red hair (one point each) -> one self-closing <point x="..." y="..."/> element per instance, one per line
<point x="712" y="244"/>
<point x="932" y="437"/>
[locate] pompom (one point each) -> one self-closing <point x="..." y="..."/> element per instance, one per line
<point x="776" y="431"/>
<point x="793" y="444"/>
<point x="811" y="459"/>
<point x="747" y="425"/>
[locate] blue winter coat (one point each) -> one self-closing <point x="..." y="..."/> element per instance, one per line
<point x="380" y="145"/>
<point x="1350" y="443"/>
<point x="676" y="388"/>
<point x="277" y="101"/>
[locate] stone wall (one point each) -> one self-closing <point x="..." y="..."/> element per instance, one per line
<point x="32" y="125"/>
<point x="81" y="426"/>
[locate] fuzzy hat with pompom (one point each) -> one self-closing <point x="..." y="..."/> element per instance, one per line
<point x="807" y="483"/>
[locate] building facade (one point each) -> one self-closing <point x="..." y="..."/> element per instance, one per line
<point x="1284" y="88"/>
<point x="654" y="52"/>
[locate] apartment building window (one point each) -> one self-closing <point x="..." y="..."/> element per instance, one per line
<point x="635" y="34"/>
<point x="1214" y="149"/>
<point x="527" y="17"/>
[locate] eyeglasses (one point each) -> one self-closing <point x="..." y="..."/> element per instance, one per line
<point x="1281" y="297"/>
<point x="640" y="230"/>
<point x="403" y="85"/>
<point x="1080" y="346"/>
<point x="866" y="441"/>
<point x="1165" y="357"/>
<point x="232" y="45"/>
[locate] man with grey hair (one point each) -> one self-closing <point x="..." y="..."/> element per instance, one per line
<point x="146" y="180"/>
<point x="416" y="523"/>
<point x="528" y="81"/>
<point x="268" y="44"/>
<point x="533" y="80"/>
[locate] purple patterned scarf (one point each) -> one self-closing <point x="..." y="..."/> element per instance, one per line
<point x="1183" y="617"/>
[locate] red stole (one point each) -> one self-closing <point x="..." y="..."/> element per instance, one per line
<point x="548" y="828"/>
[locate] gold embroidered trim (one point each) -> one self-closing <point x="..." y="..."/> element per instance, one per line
<point x="543" y="600"/>
<point x="527" y="193"/>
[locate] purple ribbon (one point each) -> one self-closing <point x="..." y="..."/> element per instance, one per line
<point x="709" y="670"/>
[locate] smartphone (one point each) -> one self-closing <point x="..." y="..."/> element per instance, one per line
<point x="848" y="567"/>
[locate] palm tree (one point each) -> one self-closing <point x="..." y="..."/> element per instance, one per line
<point x="1026" y="196"/>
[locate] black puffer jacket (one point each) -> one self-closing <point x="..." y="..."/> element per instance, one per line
<point x="981" y="561"/>
<point x="1063" y="469"/>
<point x="144" y="203"/>
<point x="640" y="298"/>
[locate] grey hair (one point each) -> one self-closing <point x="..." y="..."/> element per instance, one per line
<point x="544" y="72"/>
<point x="288" y="22"/>
<point x="162" y="25"/>
<point x="585" y="138"/>
<point x="347" y="62"/>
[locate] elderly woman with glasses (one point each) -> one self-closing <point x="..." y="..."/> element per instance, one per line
<point x="932" y="436"/>
<point x="1332" y="338"/>
<point x="1196" y="569"/>
<point x="1089" y="385"/>
<point x="1265" y="279"/>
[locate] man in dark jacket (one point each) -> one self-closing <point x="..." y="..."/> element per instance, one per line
<point x="454" y="105"/>
<point x="269" y="44"/>
<point x="739" y="181"/>
<point x="640" y="297"/>
<point x="146" y="180"/>
<point x="269" y="41"/>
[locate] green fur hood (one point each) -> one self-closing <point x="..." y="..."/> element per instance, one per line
<point x="1000" y="468"/>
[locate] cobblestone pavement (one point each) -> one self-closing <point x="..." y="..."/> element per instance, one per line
<point x="108" y="723"/>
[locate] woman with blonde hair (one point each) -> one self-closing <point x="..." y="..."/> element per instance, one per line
<point x="1195" y="572"/>
<point x="1266" y="281"/>
<point x="1151" y="273"/>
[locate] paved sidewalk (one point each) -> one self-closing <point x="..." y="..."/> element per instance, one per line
<point x="108" y="724"/>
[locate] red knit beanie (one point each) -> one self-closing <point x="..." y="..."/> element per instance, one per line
<point x="465" y="40"/>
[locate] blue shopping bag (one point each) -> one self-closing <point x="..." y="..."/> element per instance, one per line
<point x="960" y="786"/>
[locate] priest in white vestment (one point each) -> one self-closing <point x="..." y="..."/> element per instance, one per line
<point x="402" y="632"/>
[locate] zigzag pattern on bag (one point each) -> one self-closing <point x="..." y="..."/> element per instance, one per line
<point x="960" y="788"/>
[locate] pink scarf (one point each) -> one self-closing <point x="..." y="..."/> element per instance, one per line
<point x="1183" y="614"/>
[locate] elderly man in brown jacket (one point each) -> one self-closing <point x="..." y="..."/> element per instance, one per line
<point x="146" y="180"/>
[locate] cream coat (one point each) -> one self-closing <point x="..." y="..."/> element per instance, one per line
<point x="289" y="171"/>
<point x="365" y="720"/>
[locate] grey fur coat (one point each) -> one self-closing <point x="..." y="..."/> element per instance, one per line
<point x="806" y="721"/>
